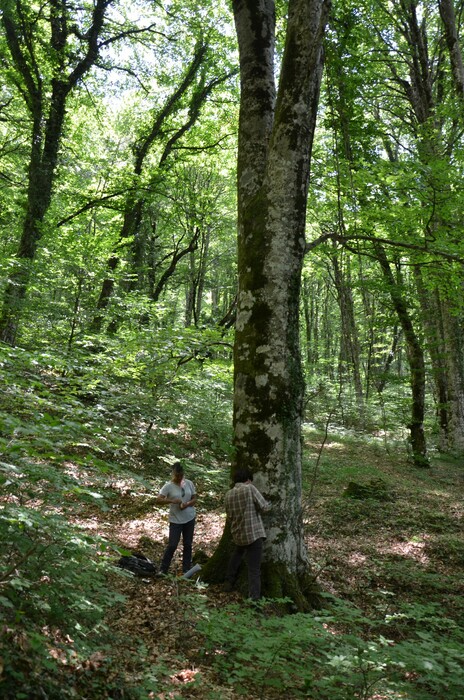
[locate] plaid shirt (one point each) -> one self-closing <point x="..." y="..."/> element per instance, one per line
<point x="243" y="504"/>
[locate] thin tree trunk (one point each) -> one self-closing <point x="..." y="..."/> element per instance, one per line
<point x="415" y="360"/>
<point x="134" y="208"/>
<point x="448" y="17"/>
<point x="48" y="114"/>
<point x="311" y="295"/>
<point x="201" y="274"/>
<point x="350" y="353"/>
<point x="423" y="92"/>
<point x="389" y="359"/>
<point x="445" y="343"/>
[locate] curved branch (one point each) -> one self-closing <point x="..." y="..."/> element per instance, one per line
<point x="344" y="240"/>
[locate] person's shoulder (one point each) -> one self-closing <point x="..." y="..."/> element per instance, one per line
<point x="231" y="493"/>
<point x="256" y="490"/>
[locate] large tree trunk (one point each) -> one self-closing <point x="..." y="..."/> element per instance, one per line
<point x="275" y="140"/>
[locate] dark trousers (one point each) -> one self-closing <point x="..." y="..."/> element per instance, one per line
<point x="253" y="553"/>
<point x="175" y="531"/>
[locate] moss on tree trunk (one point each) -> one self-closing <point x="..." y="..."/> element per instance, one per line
<point x="277" y="582"/>
<point x="274" y="153"/>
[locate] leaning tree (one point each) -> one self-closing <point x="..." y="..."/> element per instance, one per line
<point x="276" y="130"/>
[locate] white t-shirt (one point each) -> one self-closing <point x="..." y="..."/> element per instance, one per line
<point x="185" y="490"/>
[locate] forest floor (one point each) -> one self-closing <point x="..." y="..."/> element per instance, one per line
<point x="385" y="540"/>
<point x="397" y="541"/>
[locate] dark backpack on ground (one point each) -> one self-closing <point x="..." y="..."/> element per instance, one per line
<point x="138" y="565"/>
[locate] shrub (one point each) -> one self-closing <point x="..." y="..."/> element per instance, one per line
<point x="338" y="654"/>
<point x="54" y="596"/>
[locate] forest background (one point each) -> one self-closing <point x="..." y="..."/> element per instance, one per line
<point x="118" y="130"/>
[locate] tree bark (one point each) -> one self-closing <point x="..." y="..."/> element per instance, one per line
<point x="349" y="341"/>
<point x="448" y="17"/>
<point x="275" y="141"/>
<point x="416" y="362"/>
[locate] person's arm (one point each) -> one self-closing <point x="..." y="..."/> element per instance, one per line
<point x="188" y="504"/>
<point x="164" y="499"/>
<point x="259" y="500"/>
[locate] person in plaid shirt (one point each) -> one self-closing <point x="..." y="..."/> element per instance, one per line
<point x="243" y="504"/>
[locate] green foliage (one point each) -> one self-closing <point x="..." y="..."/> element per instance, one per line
<point x="338" y="654"/>
<point x="80" y="413"/>
<point x="54" y="596"/>
<point x="54" y="592"/>
<point x="448" y="549"/>
<point x="70" y="427"/>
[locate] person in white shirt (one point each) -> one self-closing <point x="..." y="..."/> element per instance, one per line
<point x="181" y="495"/>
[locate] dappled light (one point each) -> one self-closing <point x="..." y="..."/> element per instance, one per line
<point x="128" y="532"/>
<point x="231" y="245"/>
<point x="385" y="547"/>
<point x="414" y="550"/>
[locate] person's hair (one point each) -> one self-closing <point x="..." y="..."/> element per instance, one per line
<point x="177" y="468"/>
<point x="242" y="475"/>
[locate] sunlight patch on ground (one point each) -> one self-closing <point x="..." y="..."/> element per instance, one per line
<point x="92" y="524"/>
<point x="123" y="486"/>
<point x="357" y="559"/>
<point x="334" y="446"/>
<point x="74" y="470"/>
<point x="410" y="549"/>
<point x="187" y="675"/>
<point x="208" y="529"/>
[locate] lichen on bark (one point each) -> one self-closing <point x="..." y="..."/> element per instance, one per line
<point x="273" y="174"/>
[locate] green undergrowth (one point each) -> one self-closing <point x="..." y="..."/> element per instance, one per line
<point x="337" y="654"/>
<point x="76" y="441"/>
<point x="53" y="599"/>
<point x="90" y="436"/>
